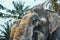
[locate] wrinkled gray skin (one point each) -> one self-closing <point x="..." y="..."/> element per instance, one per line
<point x="55" y="35"/>
<point x="41" y="31"/>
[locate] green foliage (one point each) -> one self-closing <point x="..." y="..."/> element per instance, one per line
<point x="19" y="8"/>
<point x="1" y="7"/>
<point x="6" y="31"/>
<point x="1" y="14"/>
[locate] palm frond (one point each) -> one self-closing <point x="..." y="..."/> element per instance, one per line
<point x="46" y="3"/>
<point x="26" y="8"/>
<point x="2" y="7"/>
<point x="3" y="27"/>
<point x="3" y="32"/>
<point x="14" y="4"/>
<point x="6" y="31"/>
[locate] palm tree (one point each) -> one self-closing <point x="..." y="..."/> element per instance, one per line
<point x="5" y="31"/>
<point x="19" y="9"/>
<point x="3" y="14"/>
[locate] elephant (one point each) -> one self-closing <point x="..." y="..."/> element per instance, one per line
<point x="37" y="24"/>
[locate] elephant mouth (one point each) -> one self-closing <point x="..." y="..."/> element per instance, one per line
<point x="38" y="34"/>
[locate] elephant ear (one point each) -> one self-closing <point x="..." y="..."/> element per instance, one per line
<point x="53" y="22"/>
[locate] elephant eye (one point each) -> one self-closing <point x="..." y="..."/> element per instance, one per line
<point x="34" y="21"/>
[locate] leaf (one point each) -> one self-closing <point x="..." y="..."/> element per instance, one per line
<point x="1" y="7"/>
<point x="3" y="27"/>
<point x="26" y="8"/>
